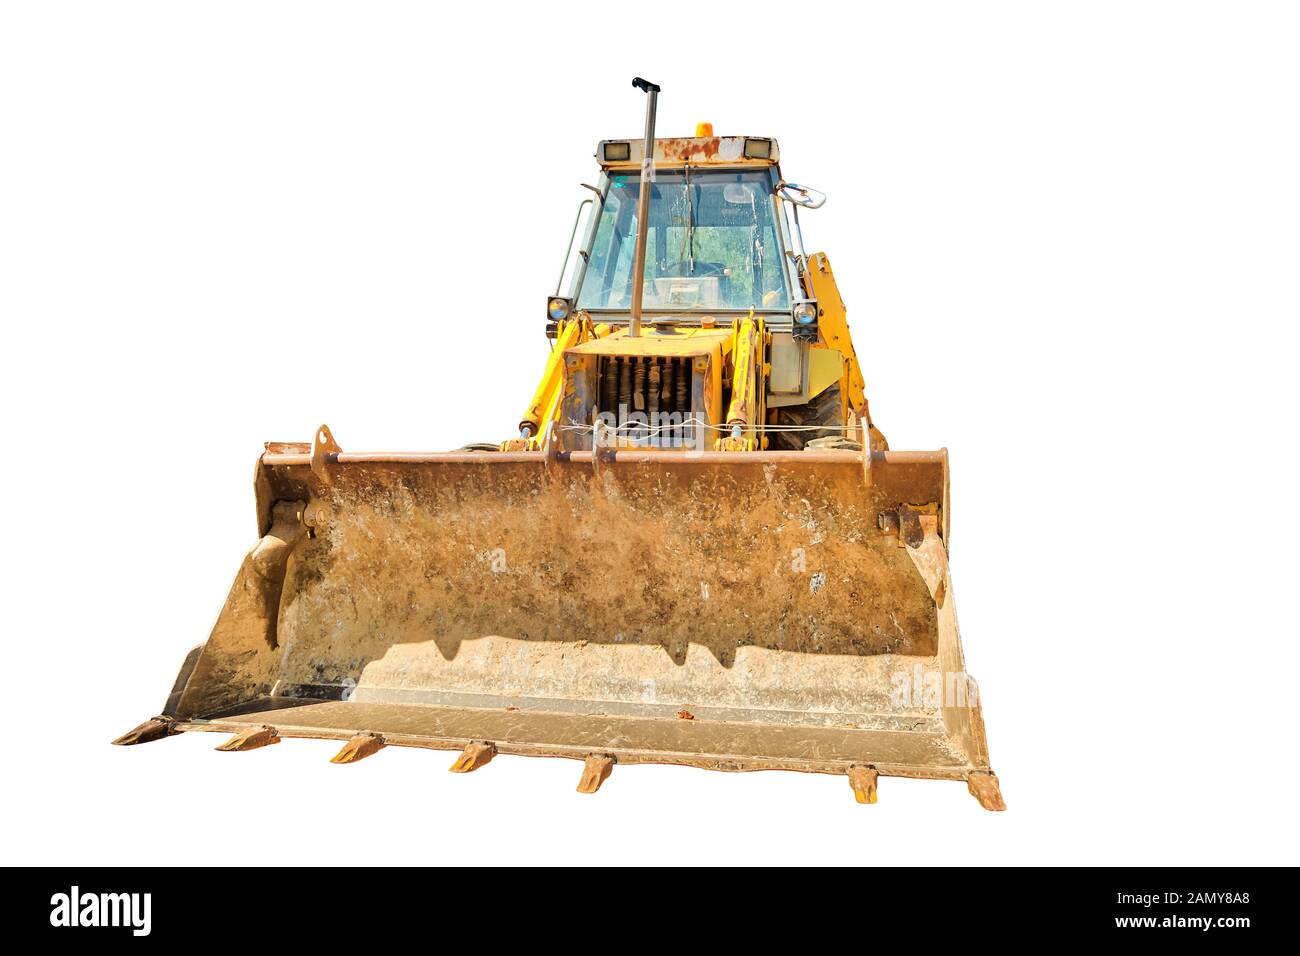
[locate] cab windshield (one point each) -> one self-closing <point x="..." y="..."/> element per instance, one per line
<point x="711" y="244"/>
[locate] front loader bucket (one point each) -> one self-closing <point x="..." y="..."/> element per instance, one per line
<point x="732" y="611"/>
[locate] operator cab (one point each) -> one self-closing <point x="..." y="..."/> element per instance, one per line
<point x="718" y="240"/>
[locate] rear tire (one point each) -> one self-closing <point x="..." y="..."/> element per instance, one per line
<point x="824" y="409"/>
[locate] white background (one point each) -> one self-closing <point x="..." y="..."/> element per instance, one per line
<point x="1068" y="238"/>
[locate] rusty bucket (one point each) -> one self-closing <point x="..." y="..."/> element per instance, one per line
<point x="768" y="610"/>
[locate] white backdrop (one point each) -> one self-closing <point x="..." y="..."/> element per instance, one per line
<point x="1067" y="236"/>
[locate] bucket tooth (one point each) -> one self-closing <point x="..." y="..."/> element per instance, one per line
<point x="155" y="728"/>
<point x="475" y="755"/>
<point x="863" y="782"/>
<point x="259" y="735"/>
<point x="983" y="786"/>
<point x="594" y="772"/>
<point x="359" y="747"/>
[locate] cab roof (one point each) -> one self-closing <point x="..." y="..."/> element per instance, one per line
<point x="690" y="150"/>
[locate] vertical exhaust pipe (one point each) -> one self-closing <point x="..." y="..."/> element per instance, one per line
<point x="643" y="202"/>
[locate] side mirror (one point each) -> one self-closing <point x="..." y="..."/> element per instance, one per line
<point x="798" y="195"/>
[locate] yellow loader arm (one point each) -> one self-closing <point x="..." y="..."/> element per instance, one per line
<point x="535" y="423"/>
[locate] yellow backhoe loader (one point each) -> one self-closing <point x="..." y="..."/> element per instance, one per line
<point x="697" y="550"/>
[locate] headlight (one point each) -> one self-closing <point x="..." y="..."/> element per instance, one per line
<point x="805" y="313"/>
<point x="557" y="309"/>
<point x="616" y="152"/>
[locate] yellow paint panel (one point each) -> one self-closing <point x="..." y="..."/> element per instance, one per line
<point x="681" y="342"/>
<point x="825" y="367"/>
